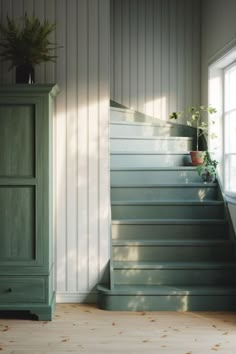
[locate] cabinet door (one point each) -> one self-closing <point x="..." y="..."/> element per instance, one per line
<point x="23" y="183"/>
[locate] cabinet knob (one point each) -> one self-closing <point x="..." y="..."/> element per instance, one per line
<point x="9" y="290"/>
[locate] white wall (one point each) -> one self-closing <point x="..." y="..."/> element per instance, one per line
<point x="81" y="156"/>
<point x="155" y="54"/>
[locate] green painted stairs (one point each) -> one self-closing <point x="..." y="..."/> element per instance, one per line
<point x="172" y="243"/>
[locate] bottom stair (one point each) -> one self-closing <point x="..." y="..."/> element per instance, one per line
<point x="167" y="298"/>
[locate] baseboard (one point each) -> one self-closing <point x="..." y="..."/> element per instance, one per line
<point x="86" y="298"/>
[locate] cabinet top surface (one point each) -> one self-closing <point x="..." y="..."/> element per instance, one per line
<point x="51" y="89"/>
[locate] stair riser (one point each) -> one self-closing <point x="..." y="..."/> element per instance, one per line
<point x="167" y="212"/>
<point x="154" y="145"/>
<point x="172" y="253"/>
<point x="145" y="178"/>
<point x="117" y="130"/>
<point x="174" y="277"/>
<point x="134" y="302"/>
<point x="163" y="193"/>
<point x="168" y="232"/>
<point x="147" y="160"/>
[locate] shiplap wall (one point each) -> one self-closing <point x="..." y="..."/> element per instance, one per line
<point x="155" y="54"/>
<point x="81" y="160"/>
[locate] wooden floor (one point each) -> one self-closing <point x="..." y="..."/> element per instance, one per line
<point x="85" y="329"/>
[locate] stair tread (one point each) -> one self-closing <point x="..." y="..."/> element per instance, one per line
<point x="172" y="265"/>
<point x="169" y="221"/>
<point x="168" y="290"/>
<point x="164" y="168"/>
<point x="151" y="152"/>
<point x="169" y="202"/>
<point x="172" y="242"/>
<point x="166" y="185"/>
<point x="141" y="137"/>
<point x="151" y="124"/>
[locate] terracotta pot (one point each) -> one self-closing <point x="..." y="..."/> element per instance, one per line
<point x="197" y="157"/>
<point x="25" y="74"/>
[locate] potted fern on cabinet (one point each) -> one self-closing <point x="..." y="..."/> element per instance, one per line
<point x="25" y="43"/>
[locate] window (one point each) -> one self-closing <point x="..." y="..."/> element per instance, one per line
<point x="229" y="127"/>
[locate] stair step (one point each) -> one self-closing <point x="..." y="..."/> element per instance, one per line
<point x="169" y="229"/>
<point x="167" y="298"/>
<point x="167" y="210"/>
<point x="129" y="176"/>
<point x="174" y="273"/>
<point x="120" y="159"/>
<point x="172" y="250"/>
<point x="140" y="128"/>
<point x="197" y="191"/>
<point x="153" y="144"/>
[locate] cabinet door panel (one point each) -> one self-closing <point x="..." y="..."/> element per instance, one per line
<point x="17" y="223"/>
<point x="17" y="141"/>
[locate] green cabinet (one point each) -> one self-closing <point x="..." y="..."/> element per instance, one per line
<point x="26" y="252"/>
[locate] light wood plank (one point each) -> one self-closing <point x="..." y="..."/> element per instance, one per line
<point x="86" y="329"/>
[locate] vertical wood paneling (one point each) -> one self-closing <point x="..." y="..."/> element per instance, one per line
<point x="125" y="53"/>
<point x="173" y="56"/>
<point x="117" y="75"/>
<point x="165" y="59"/>
<point x="81" y="130"/>
<point x="164" y="51"/>
<point x="71" y="151"/>
<point x="83" y="159"/>
<point x="180" y="68"/>
<point x="141" y="55"/>
<point x="93" y="233"/>
<point x="157" y="58"/>
<point x="61" y="152"/>
<point x="104" y="178"/>
<point x="188" y="52"/>
<point x="149" y="53"/>
<point x="133" y="55"/>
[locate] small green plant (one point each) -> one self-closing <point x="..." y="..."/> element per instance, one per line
<point x="208" y="169"/>
<point x="24" y="41"/>
<point x="195" y="118"/>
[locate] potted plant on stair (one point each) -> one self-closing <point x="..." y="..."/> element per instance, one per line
<point x="25" y="43"/>
<point x="195" y="118"/>
<point x="208" y="169"/>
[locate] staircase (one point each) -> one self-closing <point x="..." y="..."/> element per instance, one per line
<point x="172" y="244"/>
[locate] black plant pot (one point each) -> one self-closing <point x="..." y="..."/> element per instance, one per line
<point x="25" y="74"/>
